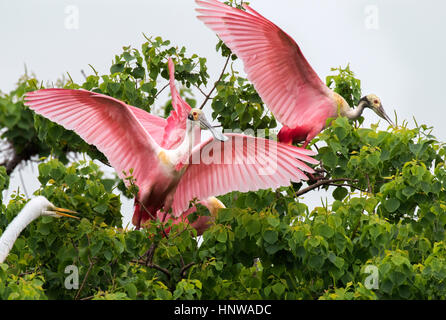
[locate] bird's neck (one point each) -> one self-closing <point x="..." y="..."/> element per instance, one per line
<point x="355" y="113"/>
<point x="12" y="232"/>
<point x="192" y="137"/>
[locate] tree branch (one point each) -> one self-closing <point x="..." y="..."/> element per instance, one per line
<point x="85" y="278"/>
<point x="201" y="91"/>
<point x="157" y="267"/>
<point x="13" y="163"/>
<point x="162" y="89"/>
<point x="185" y="268"/>
<point x="153" y="266"/>
<point x="331" y="182"/>
<point x="216" y="82"/>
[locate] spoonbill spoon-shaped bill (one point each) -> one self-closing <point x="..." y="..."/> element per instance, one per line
<point x="282" y="76"/>
<point x="168" y="133"/>
<point x="39" y="206"/>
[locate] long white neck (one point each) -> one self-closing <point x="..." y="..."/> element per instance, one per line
<point x="356" y="112"/>
<point x="192" y="136"/>
<point x="10" y="235"/>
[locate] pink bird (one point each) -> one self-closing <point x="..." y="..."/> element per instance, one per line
<point x="171" y="178"/>
<point x="174" y="132"/>
<point x="280" y="73"/>
<point x="169" y="134"/>
<point x="202" y="223"/>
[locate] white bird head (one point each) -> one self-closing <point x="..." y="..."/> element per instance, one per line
<point x="41" y="205"/>
<point x="373" y="102"/>
<point x="198" y="117"/>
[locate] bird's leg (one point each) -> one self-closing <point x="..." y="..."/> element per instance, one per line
<point x="320" y="174"/>
<point x="314" y="178"/>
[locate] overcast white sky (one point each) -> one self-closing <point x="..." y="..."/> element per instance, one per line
<point x="396" y="47"/>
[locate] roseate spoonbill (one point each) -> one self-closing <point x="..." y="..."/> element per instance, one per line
<point x="170" y="177"/>
<point x="167" y="133"/>
<point x="280" y="73"/>
<point x="39" y="206"/>
<point x="174" y="130"/>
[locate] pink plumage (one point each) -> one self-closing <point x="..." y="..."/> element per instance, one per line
<point x="243" y="163"/>
<point x="155" y="149"/>
<point x="176" y="122"/>
<point x="276" y="66"/>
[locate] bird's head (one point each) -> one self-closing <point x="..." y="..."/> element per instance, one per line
<point x="197" y="117"/>
<point x="49" y="209"/>
<point x="373" y="102"/>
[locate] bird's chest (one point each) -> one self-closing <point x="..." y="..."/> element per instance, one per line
<point x="340" y="104"/>
<point x="173" y="164"/>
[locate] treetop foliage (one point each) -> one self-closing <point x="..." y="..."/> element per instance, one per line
<point x="388" y="212"/>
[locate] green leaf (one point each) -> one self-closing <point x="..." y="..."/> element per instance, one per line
<point x="278" y="289"/>
<point x="101" y="208"/>
<point x="399" y="260"/>
<point x="270" y="236"/>
<point x="324" y="230"/>
<point x="131" y="290"/>
<point x="397" y="278"/>
<point x="329" y="159"/>
<point x="316" y="262"/>
<point x="273" y="221"/>
<point x="253" y="227"/>
<point x="408" y="191"/>
<point x="44" y="229"/>
<point x="392" y="204"/>
<point x="340" y="193"/>
<point x="116" y="68"/>
<point x="222" y="236"/>
<point x="138" y="72"/>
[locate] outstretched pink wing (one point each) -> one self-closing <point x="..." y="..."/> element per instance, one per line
<point x="176" y="122"/>
<point x="242" y="163"/>
<point x="105" y="122"/>
<point x="153" y="124"/>
<point x="273" y="62"/>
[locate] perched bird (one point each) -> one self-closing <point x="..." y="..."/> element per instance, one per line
<point x="171" y="178"/>
<point x="39" y="206"/>
<point x="283" y="78"/>
<point x="174" y="132"/>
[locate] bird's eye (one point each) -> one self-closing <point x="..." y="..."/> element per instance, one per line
<point x="375" y="101"/>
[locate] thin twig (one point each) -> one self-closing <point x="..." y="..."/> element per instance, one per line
<point x="85" y="278"/>
<point x="145" y="209"/>
<point x="346" y="185"/>
<point x="162" y="89"/>
<point x="199" y="89"/>
<point x="150" y="253"/>
<point x="185" y="268"/>
<point x="369" y="187"/>
<point x="216" y="82"/>
<point x="84" y="74"/>
<point x="356" y="229"/>
<point x="157" y="267"/>
<point x="154" y="266"/>
<point x="325" y="182"/>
